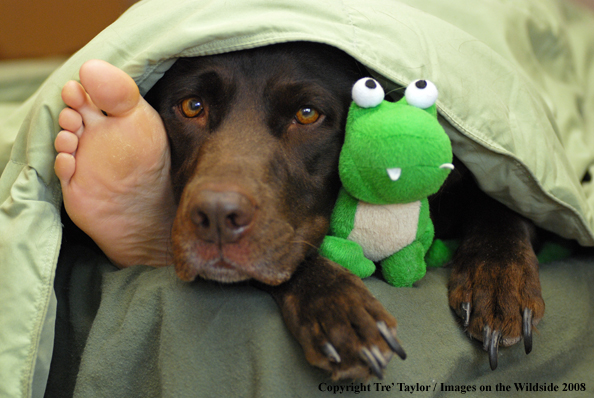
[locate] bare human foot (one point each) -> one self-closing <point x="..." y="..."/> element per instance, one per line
<point x="114" y="166"/>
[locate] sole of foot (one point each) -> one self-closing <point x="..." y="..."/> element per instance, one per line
<point x="113" y="164"/>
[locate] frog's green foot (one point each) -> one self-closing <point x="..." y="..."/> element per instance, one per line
<point x="348" y="254"/>
<point x="441" y="252"/>
<point x="406" y="266"/>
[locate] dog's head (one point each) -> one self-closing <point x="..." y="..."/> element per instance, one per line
<point x="255" y="137"/>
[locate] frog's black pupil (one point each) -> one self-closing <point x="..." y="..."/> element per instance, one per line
<point x="370" y="83"/>
<point x="421" y="84"/>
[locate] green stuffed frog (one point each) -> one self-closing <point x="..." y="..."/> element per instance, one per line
<point x="394" y="156"/>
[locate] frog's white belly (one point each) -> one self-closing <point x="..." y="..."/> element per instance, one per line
<point x="382" y="230"/>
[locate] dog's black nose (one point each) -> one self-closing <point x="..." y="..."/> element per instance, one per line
<point x="221" y="217"/>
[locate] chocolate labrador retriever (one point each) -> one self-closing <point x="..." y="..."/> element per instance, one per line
<point x="255" y="137"/>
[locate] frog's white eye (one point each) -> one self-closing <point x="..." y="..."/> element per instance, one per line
<point x="367" y="93"/>
<point x="421" y="94"/>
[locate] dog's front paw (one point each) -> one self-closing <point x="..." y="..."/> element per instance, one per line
<point x="498" y="298"/>
<point x="340" y="325"/>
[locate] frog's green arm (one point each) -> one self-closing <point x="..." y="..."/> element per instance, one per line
<point x="342" y="220"/>
<point x="348" y="254"/>
<point x="337" y="247"/>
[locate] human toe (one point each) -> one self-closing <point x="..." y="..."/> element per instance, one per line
<point x="73" y="95"/>
<point x="110" y="88"/>
<point x="66" y="142"/>
<point x="64" y="167"/>
<point x="70" y="120"/>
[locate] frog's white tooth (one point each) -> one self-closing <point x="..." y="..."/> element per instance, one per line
<point x="394" y="173"/>
<point x="447" y="166"/>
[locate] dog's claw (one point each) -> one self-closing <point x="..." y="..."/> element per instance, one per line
<point x="491" y="344"/>
<point x="486" y="337"/>
<point x="390" y="339"/>
<point x="466" y="309"/>
<point x="527" y="329"/>
<point x="373" y="361"/>
<point x="329" y="350"/>
<point x="380" y="358"/>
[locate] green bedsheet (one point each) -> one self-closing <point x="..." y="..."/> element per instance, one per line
<point x="516" y="98"/>
<point x="154" y="336"/>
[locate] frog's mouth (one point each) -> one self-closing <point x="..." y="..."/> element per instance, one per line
<point x="396" y="172"/>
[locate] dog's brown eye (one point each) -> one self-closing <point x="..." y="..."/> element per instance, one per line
<point x="192" y="107"/>
<point x="307" y="115"/>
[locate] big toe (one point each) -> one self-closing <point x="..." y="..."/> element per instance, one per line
<point x="110" y="88"/>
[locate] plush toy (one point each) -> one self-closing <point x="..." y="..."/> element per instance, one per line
<point x="394" y="156"/>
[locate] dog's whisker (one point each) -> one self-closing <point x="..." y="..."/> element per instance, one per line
<point x="304" y="242"/>
<point x="396" y="90"/>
